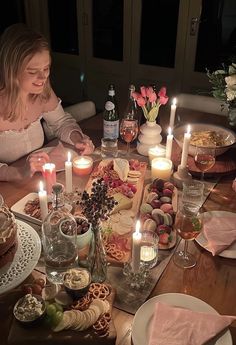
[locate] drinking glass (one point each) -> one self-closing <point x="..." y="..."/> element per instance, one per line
<point x="204" y="159"/>
<point x="109" y="148"/>
<point x="128" y="132"/>
<point x="149" y="249"/>
<point x="192" y="195"/>
<point x="188" y="225"/>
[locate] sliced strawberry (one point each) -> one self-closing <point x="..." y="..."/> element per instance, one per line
<point x="164" y="238"/>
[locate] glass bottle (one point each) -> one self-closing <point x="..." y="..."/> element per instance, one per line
<point x="111" y="115"/>
<point x="59" y="236"/>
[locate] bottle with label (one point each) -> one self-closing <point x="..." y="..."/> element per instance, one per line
<point x="59" y="238"/>
<point x="130" y="123"/>
<point x="111" y="116"/>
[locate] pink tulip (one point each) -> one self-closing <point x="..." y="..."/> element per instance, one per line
<point x="153" y="97"/>
<point x="149" y="91"/>
<point x="136" y="95"/>
<point x="143" y="91"/>
<point x="141" y="101"/>
<point x="163" y="99"/>
<point x="162" y="92"/>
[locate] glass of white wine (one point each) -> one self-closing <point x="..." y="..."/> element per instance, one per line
<point x="188" y="225"/>
<point x="204" y="159"/>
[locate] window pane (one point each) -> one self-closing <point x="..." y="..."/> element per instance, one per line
<point x="158" y="32"/>
<point x="13" y="12"/>
<point x="217" y="34"/>
<point x="108" y="29"/>
<point x="63" y="26"/>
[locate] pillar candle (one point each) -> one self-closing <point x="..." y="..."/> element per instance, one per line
<point x="136" y="243"/>
<point x="186" y="143"/>
<point x="161" y="168"/>
<point x="169" y="142"/>
<point x="82" y="165"/>
<point x="172" y="113"/>
<point x="49" y="174"/>
<point x="156" y="151"/>
<point x="43" y="201"/>
<point x="68" y="171"/>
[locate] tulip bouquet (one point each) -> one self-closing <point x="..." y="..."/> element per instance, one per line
<point x="150" y="101"/>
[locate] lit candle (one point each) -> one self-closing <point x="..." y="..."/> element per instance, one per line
<point x="136" y="248"/>
<point x="43" y="201"/>
<point x="68" y="171"/>
<point x="186" y="143"/>
<point x="49" y="174"/>
<point x="161" y="168"/>
<point x="82" y="165"/>
<point x="169" y="142"/>
<point x="148" y="253"/>
<point x="156" y="151"/>
<point x="172" y="113"/>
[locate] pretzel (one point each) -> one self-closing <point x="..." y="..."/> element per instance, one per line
<point x="83" y="303"/>
<point x="100" y="291"/>
<point x="101" y="326"/>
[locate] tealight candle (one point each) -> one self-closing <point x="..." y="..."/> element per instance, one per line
<point x="136" y="237"/>
<point x="82" y="165"/>
<point x="49" y="174"/>
<point x="156" y="151"/>
<point x="186" y="143"/>
<point x="43" y="201"/>
<point x="161" y="168"/>
<point x="169" y="142"/>
<point x="172" y="113"/>
<point x="68" y="171"/>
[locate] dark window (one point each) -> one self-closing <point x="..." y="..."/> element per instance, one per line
<point x="63" y="26"/>
<point x="12" y="12"/>
<point x="108" y="29"/>
<point x="158" y="32"/>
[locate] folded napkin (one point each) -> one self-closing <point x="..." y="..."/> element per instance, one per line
<point x="220" y="233"/>
<point x="177" y="326"/>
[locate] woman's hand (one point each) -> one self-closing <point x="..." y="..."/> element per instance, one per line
<point x="35" y="162"/>
<point x="85" y="146"/>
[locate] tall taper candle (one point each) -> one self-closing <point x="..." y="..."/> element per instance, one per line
<point x="43" y="201"/>
<point x="68" y="170"/>
<point x="136" y="248"/>
<point x="186" y="143"/>
<point x="172" y="113"/>
<point x="169" y="142"/>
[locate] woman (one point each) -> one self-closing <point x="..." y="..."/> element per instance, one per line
<point x="25" y="98"/>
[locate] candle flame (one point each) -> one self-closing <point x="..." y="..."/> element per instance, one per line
<point x="174" y="101"/>
<point x="69" y="156"/>
<point x="188" y="129"/>
<point x="137" y="229"/>
<point x="41" y="186"/>
<point x="169" y="131"/>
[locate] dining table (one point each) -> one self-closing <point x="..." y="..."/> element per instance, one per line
<point x="212" y="280"/>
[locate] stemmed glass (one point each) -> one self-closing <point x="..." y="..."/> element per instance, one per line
<point x="204" y="159"/>
<point x="188" y="225"/>
<point x="128" y="132"/>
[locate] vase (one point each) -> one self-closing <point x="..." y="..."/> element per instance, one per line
<point x="232" y="116"/>
<point x="97" y="257"/>
<point x="150" y="135"/>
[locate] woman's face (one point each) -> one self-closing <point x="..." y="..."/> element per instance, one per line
<point x="35" y="73"/>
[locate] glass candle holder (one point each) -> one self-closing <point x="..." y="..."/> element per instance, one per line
<point x="149" y="249"/>
<point x="156" y="152"/>
<point x="161" y="168"/>
<point x="49" y="175"/>
<point x="82" y="165"/>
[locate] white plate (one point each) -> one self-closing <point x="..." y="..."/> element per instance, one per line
<point x="143" y="317"/>
<point x="230" y="252"/>
<point x="49" y="149"/>
<point x="25" y="259"/>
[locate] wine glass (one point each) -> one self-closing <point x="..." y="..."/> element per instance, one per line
<point x="204" y="159"/>
<point x="128" y="132"/>
<point x="188" y="225"/>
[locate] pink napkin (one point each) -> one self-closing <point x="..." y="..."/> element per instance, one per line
<point x="176" y="326"/>
<point x="220" y="233"/>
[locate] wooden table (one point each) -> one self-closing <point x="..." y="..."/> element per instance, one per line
<point x="213" y="279"/>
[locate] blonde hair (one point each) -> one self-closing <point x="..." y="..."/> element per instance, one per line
<point x="18" y="44"/>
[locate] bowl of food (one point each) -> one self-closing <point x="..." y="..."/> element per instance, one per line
<point x="30" y="310"/>
<point x="84" y="231"/>
<point x="76" y="282"/>
<point x="207" y="136"/>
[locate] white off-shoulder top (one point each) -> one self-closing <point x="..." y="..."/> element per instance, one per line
<point x="16" y="144"/>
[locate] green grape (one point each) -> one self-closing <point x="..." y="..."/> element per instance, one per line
<point x="56" y="318"/>
<point x="58" y="307"/>
<point x="51" y="310"/>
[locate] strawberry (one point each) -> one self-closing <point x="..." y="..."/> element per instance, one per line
<point x="164" y="238"/>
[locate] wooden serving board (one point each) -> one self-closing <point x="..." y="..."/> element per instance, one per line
<point x="41" y="335"/>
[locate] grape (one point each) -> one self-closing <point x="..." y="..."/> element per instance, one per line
<point x="27" y="289"/>
<point x="51" y="310"/>
<point x="40" y="281"/>
<point x="37" y="289"/>
<point x="56" y="318"/>
<point x="58" y="307"/>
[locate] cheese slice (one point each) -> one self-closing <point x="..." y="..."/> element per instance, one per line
<point x="121" y="166"/>
<point x="124" y="203"/>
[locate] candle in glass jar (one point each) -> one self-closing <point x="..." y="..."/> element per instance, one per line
<point x="68" y="172"/>
<point x="156" y="151"/>
<point x="186" y="143"/>
<point x="82" y="165"/>
<point x="161" y="168"/>
<point x="43" y="201"/>
<point x="49" y="174"/>
<point x="169" y="142"/>
<point x="172" y="113"/>
<point x="136" y="242"/>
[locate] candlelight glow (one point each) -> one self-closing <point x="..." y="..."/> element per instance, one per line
<point x="169" y="131"/>
<point x="69" y="156"/>
<point x="174" y="101"/>
<point x="188" y="129"/>
<point x="137" y="229"/>
<point x="41" y="186"/>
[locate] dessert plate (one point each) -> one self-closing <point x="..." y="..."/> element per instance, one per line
<point x="25" y="259"/>
<point x="230" y="252"/>
<point x="142" y="320"/>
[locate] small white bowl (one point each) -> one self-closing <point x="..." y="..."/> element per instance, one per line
<point x="228" y="135"/>
<point x="84" y="239"/>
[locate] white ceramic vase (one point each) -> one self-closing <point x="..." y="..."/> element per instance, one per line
<point x="150" y="135"/>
